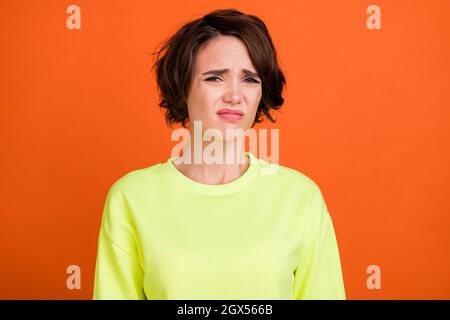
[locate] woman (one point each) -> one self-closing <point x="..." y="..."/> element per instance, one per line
<point x="187" y="229"/>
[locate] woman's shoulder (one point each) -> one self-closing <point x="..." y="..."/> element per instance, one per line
<point x="136" y="179"/>
<point x="287" y="176"/>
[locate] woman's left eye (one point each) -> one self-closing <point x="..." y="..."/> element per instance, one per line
<point x="253" y="80"/>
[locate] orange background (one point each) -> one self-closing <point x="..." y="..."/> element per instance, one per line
<point x="366" y="116"/>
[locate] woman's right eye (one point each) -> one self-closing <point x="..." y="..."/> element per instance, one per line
<point x="209" y="79"/>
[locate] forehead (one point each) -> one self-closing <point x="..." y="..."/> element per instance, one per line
<point x="223" y="52"/>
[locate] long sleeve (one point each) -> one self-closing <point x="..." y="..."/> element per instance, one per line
<point x="318" y="275"/>
<point x="118" y="272"/>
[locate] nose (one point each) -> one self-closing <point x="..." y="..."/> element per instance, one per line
<point x="233" y="94"/>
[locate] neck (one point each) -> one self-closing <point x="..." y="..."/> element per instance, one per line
<point x="214" y="167"/>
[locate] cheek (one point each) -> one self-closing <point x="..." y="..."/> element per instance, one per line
<point x="255" y="99"/>
<point x="201" y="100"/>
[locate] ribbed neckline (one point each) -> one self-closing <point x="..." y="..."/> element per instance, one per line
<point x="214" y="189"/>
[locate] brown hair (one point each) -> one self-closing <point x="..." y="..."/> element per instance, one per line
<point x="173" y="69"/>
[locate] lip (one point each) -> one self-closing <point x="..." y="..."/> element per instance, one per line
<point x="229" y="114"/>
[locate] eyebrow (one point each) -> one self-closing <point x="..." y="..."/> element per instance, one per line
<point x="219" y="72"/>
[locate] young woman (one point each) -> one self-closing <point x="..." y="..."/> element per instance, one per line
<point x="187" y="229"/>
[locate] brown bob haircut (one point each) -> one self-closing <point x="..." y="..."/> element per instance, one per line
<point x="174" y="67"/>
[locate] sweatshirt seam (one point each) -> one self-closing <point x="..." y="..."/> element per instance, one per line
<point x="103" y="231"/>
<point x="226" y="190"/>
<point x="304" y="250"/>
<point x="133" y="225"/>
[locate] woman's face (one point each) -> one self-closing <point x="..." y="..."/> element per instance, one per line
<point x="223" y="77"/>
